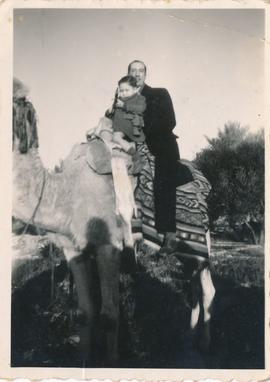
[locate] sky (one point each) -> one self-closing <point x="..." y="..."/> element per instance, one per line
<point x="210" y="60"/>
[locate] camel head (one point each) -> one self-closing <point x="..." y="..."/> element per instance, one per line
<point x="24" y="134"/>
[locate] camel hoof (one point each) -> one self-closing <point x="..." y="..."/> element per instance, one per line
<point x="113" y="362"/>
<point x="204" y="344"/>
<point x="107" y="322"/>
<point x="200" y="341"/>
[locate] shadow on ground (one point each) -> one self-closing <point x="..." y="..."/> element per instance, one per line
<point x="154" y="322"/>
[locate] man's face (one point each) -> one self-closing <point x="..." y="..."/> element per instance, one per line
<point x="137" y="70"/>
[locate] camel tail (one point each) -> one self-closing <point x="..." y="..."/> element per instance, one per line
<point x="97" y="232"/>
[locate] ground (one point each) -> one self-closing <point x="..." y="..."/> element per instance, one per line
<point x="155" y="313"/>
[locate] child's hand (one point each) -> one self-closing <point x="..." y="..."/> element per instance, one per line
<point x="110" y="109"/>
<point x="119" y="103"/>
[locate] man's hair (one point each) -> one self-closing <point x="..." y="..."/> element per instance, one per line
<point x="137" y="61"/>
<point x="129" y="80"/>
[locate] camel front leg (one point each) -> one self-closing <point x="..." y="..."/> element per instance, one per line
<point x="108" y="264"/>
<point x="81" y="270"/>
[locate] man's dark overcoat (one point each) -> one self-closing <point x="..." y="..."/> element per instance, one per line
<point x="159" y="122"/>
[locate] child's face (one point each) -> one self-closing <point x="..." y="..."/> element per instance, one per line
<point x="126" y="90"/>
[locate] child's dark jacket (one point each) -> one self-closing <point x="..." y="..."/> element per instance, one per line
<point x="130" y="116"/>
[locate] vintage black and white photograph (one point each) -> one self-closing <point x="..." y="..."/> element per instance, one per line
<point x="138" y="188"/>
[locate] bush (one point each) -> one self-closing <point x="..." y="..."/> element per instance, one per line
<point x="234" y="164"/>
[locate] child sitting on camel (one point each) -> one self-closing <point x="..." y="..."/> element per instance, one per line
<point x="127" y="115"/>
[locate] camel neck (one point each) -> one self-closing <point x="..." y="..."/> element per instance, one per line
<point x="37" y="193"/>
<point x="28" y="176"/>
<point x="28" y="164"/>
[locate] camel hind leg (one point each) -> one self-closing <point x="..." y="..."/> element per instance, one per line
<point x="202" y="297"/>
<point x="192" y="271"/>
<point x="195" y="304"/>
<point x="208" y="294"/>
<point x="207" y="298"/>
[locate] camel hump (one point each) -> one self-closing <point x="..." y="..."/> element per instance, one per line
<point x="98" y="157"/>
<point x="78" y="151"/>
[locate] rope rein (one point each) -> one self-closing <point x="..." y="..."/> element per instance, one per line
<point x="31" y="220"/>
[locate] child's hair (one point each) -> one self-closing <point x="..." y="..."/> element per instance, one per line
<point x="129" y="80"/>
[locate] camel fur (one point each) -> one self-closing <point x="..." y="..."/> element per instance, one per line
<point x="77" y="209"/>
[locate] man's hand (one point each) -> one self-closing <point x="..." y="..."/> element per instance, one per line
<point x="119" y="103"/>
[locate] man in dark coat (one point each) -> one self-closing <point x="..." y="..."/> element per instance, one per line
<point x="159" y="122"/>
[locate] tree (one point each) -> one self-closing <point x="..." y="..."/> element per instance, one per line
<point x="234" y="164"/>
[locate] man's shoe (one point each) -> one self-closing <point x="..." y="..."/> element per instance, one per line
<point x="170" y="244"/>
<point x="131" y="151"/>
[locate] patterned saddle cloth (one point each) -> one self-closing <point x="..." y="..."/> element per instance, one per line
<point x="99" y="156"/>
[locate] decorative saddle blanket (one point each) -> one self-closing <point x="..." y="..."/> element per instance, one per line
<point x="191" y="207"/>
<point x="192" y="220"/>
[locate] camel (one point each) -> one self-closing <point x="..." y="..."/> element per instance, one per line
<point x="70" y="206"/>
